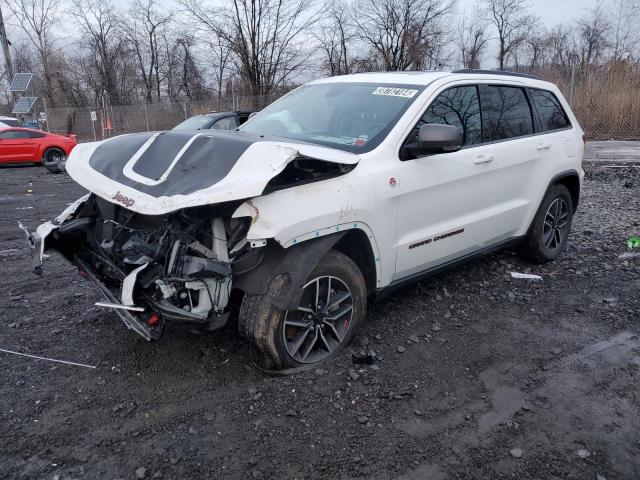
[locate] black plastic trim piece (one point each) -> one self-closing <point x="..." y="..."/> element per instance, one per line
<point x="129" y="320"/>
<point x="294" y="264"/>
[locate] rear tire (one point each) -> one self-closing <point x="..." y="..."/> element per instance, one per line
<point x="52" y="158"/>
<point x="550" y="229"/>
<point x="323" y="324"/>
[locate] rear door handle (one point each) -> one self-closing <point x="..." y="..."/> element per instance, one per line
<point x="543" y="146"/>
<point x="483" y="159"/>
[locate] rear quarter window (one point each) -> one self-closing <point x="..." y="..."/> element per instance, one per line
<point x="550" y="112"/>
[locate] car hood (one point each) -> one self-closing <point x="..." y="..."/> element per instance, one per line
<point x="159" y="172"/>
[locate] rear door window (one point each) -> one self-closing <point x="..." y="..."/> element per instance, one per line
<point x="550" y="112"/>
<point x="507" y="113"/>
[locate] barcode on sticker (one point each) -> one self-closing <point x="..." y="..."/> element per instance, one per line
<point x="395" y="92"/>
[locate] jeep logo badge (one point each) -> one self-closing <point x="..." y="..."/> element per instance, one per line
<point x="126" y="201"/>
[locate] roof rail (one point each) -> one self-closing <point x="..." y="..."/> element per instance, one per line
<point x="496" y="72"/>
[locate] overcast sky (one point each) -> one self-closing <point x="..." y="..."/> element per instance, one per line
<point x="551" y="12"/>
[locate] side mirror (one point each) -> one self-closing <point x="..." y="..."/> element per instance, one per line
<point x="435" y="138"/>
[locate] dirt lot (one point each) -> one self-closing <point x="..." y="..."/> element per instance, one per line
<point x="474" y="365"/>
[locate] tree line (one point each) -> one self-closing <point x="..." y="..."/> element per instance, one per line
<point x="84" y="51"/>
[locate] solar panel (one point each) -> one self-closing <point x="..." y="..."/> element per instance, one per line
<point x="24" y="105"/>
<point x="20" y="82"/>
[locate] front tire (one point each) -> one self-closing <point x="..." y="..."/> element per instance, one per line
<point x="333" y="304"/>
<point x="550" y="229"/>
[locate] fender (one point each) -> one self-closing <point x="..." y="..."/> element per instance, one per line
<point x="289" y="265"/>
<point x="561" y="176"/>
<point x="557" y="179"/>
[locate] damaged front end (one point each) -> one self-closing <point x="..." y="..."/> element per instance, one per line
<point x="158" y="233"/>
<point x="153" y="269"/>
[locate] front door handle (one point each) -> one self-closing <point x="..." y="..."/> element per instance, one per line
<point x="483" y="159"/>
<point x="543" y="146"/>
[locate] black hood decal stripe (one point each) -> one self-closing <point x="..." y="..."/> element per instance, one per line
<point x="208" y="159"/>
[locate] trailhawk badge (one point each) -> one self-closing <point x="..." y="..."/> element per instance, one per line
<point x="123" y="199"/>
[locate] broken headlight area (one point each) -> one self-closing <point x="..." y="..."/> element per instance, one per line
<point x="153" y="269"/>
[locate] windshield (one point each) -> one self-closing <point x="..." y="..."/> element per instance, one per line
<point x="354" y="117"/>
<point x="194" y="123"/>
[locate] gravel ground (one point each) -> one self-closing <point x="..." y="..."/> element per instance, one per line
<point x="480" y="376"/>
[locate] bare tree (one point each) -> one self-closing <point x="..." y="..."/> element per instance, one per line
<point x="221" y="59"/>
<point x="267" y="38"/>
<point x="37" y="18"/>
<point x="512" y="20"/>
<point x="336" y="35"/>
<point x="98" y="22"/>
<point x="592" y="32"/>
<point x="404" y="33"/>
<point x="624" y="18"/>
<point x="472" y="37"/>
<point x="182" y="74"/>
<point x="144" y="30"/>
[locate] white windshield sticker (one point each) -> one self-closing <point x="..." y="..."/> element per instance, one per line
<point x="395" y="92"/>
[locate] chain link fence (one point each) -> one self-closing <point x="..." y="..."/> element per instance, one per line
<point x="112" y="120"/>
<point x="607" y="105"/>
<point x="606" y="100"/>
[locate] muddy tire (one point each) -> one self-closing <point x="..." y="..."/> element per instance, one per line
<point x="550" y="229"/>
<point x="52" y="159"/>
<point x="332" y="306"/>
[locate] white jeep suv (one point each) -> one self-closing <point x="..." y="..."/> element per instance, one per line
<point x="342" y="190"/>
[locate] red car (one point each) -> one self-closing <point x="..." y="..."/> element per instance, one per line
<point x="26" y="145"/>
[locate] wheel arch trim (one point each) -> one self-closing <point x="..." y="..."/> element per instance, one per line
<point x="295" y="263"/>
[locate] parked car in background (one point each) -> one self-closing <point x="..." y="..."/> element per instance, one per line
<point x="214" y="121"/>
<point x="26" y="145"/>
<point x="8" y="122"/>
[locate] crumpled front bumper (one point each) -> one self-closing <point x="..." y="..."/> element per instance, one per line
<point x="38" y="243"/>
<point x="130" y="321"/>
<point x="37" y="240"/>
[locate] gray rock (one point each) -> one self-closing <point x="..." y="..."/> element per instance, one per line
<point x="516" y="452"/>
<point x="401" y="349"/>
<point x="141" y="473"/>
<point x="193" y="431"/>
<point x="414" y="339"/>
<point x="556" y="351"/>
<point x="353" y="374"/>
<point x="583" y="453"/>
<point x="436" y="327"/>
<point x="291" y="413"/>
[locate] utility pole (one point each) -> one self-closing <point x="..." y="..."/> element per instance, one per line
<point x="8" y="65"/>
